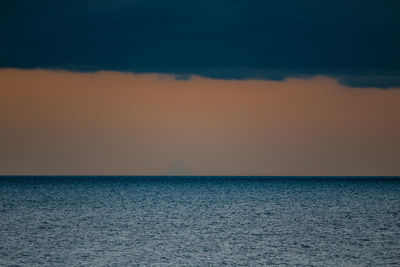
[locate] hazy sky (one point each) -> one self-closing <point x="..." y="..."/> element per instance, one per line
<point x="59" y="122"/>
<point x="289" y="87"/>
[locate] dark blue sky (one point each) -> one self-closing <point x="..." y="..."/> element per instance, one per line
<point x="356" y="41"/>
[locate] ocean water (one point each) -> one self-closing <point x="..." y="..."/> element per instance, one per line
<point x="199" y="221"/>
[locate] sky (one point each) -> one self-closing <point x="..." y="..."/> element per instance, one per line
<point x="222" y="87"/>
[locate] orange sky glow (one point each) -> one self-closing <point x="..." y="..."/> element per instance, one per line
<point x="58" y="122"/>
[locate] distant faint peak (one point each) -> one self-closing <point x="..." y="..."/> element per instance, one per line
<point x="179" y="168"/>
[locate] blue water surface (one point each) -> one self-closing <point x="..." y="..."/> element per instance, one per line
<point x="199" y="221"/>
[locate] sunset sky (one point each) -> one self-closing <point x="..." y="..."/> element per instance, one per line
<point x="226" y="87"/>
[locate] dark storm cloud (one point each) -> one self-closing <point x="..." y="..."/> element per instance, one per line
<point x="355" y="41"/>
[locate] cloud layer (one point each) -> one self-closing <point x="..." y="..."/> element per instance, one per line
<point x="355" y="41"/>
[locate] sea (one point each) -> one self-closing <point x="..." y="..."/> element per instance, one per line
<point x="199" y="221"/>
